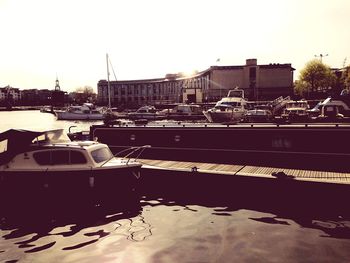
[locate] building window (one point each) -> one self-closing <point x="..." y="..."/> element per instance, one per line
<point x="252" y="73"/>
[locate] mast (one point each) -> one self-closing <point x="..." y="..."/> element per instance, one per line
<point x="109" y="86"/>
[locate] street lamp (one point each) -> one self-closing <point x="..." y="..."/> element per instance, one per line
<point x="321" y="56"/>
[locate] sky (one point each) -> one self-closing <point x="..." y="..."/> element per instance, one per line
<point x="42" y="39"/>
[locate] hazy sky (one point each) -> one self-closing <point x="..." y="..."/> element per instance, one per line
<point x="150" y="38"/>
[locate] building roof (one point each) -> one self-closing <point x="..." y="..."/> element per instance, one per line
<point x="197" y="74"/>
<point x="277" y="65"/>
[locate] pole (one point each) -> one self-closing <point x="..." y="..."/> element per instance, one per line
<point x="109" y="86"/>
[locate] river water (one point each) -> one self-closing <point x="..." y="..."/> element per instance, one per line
<point x="171" y="223"/>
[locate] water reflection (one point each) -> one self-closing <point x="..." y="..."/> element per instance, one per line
<point x="178" y="220"/>
<point x="306" y="205"/>
<point x="71" y="226"/>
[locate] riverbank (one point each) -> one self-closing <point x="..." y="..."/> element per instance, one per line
<point x="21" y="108"/>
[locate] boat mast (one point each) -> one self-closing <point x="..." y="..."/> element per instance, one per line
<point x="109" y="86"/>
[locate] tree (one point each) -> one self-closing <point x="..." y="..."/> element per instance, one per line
<point x="83" y="94"/>
<point x="316" y="77"/>
<point x="300" y="88"/>
<point x="346" y="77"/>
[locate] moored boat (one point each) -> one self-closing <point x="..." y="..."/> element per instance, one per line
<point x="183" y="112"/>
<point x="87" y="111"/>
<point x="33" y="162"/>
<point x="296" y="111"/>
<point x="306" y="146"/>
<point x="229" y="109"/>
<point x="258" y="115"/>
<point x="145" y="112"/>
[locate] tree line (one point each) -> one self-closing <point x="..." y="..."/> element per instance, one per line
<point x="317" y="79"/>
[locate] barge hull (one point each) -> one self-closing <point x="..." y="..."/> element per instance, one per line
<point x="320" y="147"/>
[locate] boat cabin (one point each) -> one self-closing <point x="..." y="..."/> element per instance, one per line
<point x="52" y="149"/>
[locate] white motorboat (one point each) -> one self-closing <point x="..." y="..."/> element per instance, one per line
<point x="87" y="111"/>
<point x="296" y="111"/>
<point x="229" y="109"/>
<point x="32" y="161"/>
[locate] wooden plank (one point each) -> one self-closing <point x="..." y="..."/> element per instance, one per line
<point x="240" y="170"/>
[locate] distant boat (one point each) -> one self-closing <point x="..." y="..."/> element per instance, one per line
<point x="145" y="112"/>
<point x="183" y="112"/>
<point x="258" y="115"/>
<point x="87" y="111"/>
<point x="46" y="109"/>
<point x="296" y="111"/>
<point x="229" y="109"/>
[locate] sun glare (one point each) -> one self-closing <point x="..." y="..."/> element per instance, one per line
<point x="189" y="73"/>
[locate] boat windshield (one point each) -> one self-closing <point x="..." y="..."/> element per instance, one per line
<point x="101" y="155"/>
<point x="297" y="104"/>
<point x="236" y="93"/>
<point x="230" y="103"/>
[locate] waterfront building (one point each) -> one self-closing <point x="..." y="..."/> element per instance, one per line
<point x="259" y="82"/>
<point x="31" y="97"/>
<point x="9" y="95"/>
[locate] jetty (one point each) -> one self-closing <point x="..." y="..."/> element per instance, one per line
<point x="237" y="170"/>
<point x="297" y="163"/>
<point x="250" y="186"/>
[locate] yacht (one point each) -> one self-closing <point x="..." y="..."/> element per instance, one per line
<point x="87" y="111"/>
<point x="31" y="160"/>
<point x="296" y="111"/>
<point x="229" y="109"/>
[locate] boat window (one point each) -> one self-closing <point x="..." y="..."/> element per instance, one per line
<point x="77" y="157"/>
<point x="60" y="157"/>
<point x="40" y="138"/>
<point x="3" y="146"/>
<point x="101" y="155"/>
<point x="231" y="103"/>
<point x="42" y="158"/>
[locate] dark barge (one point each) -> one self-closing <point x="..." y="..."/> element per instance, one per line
<point x="305" y="146"/>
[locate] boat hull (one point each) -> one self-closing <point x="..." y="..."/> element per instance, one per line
<point x="62" y="115"/>
<point x="18" y="186"/>
<point x="146" y="116"/>
<point x="319" y="147"/>
<point x="223" y="116"/>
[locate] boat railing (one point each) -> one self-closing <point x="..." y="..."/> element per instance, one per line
<point x="279" y="104"/>
<point x="132" y="150"/>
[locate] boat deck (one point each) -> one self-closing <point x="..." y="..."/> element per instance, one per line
<point x="248" y="171"/>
